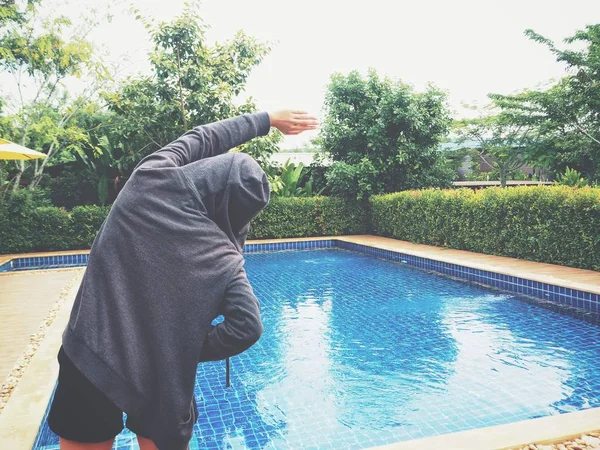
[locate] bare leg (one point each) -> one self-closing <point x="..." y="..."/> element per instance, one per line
<point x="145" y="444"/>
<point x="72" y="445"/>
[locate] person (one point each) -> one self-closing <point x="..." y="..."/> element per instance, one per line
<point x="166" y="262"/>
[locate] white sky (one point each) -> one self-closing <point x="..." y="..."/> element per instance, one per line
<point x="467" y="47"/>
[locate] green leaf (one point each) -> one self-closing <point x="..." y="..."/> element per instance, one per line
<point x="103" y="189"/>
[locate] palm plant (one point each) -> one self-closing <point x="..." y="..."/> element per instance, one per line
<point x="571" y="177"/>
<point x="103" y="158"/>
<point x="286" y="183"/>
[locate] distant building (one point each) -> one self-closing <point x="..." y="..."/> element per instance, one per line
<point x="485" y="163"/>
<point x="305" y="158"/>
<point x="476" y="185"/>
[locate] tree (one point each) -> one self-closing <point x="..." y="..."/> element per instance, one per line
<point x="568" y="113"/>
<point x="12" y="11"/>
<point x="191" y="83"/>
<point x="382" y="136"/>
<point x="502" y="143"/>
<point x="41" y="58"/>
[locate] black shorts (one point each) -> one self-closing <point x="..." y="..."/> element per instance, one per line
<point x="80" y="412"/>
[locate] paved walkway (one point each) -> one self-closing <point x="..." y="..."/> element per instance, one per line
<point x="25" y="300"/>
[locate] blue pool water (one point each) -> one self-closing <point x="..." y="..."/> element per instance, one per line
<point x="359" y="352"/>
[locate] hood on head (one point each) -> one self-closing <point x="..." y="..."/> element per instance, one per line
<point x="234" y="189"/>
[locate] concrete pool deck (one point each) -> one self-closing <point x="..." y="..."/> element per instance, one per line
<point x="22" y="415"/>
<point x="19" y="319"/>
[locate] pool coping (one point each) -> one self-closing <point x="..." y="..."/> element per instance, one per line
<point x="515" y="435"/>
<point x="24" y="412"/>
<point x="567" y="277"/>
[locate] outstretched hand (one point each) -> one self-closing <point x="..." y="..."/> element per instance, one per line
<point x="293" y="122"/>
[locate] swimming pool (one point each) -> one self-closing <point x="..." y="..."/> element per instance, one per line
<point x="360" y="352"/>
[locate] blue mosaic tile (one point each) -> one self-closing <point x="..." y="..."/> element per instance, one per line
<point x="557" y="294"/>
<point x="560" y="295"/>
<point x="6" y="267"/>
<point x="47" y="262"/>
<point x="280" y="246"/>
<point x="344" y="331"/>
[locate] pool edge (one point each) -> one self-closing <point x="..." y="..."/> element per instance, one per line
<point x="544" y="430"/>
<point x="570" y="279"/>
<point x="581" y="300"/>
<point x="24" y="412"/>
<point x="482" y="261"/>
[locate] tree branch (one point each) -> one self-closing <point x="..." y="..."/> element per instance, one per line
<point x="40" y="89"/>
<point x="19" y="86"/>
<point x="58" y="79"/>
<point x="183" y="114"/>
<point x="152" y="139"/>
<point x="482" y="155"/>
<point x="585" y="133"/>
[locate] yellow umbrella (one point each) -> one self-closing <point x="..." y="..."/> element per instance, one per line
<point x="10" y="150"/>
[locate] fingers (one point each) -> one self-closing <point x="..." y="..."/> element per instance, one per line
<point x="293" y="131"/>
<point x="292" y="122"/>
<point x="302" y="116"/>
<point x="306" y="122"/>
<point x="305" y="126"/>
<point x="301" y="128"/>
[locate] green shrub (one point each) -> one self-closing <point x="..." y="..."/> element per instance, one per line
<point x="571" y="177"/>
<point x="74" y="187"/>
<point x="316" y="173"/>
<point x="310" y="216"/>
<point x="17" y="222"/>
<point x="559" y="225"/>
<point x="555" y="224"/>
<point x="86" y="223"/>
<point x="286" y="217"/>
<point x="338" y="217"/>
<point x="26" y="228"/>
<point x="52" y="229"/>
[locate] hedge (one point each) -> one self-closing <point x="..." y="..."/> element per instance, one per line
<point x="310" y="216"/>
<point x="559" y="225"/>
<point x="26" y="228"/>
<point x="554" y="224"/>
<point x="86" y="222"/>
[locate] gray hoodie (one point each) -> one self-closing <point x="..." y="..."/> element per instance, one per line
<point x="165" y="263"/>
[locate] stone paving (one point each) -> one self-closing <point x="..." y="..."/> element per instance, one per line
<point x="584" y="442"/>
<point x="28" y="304"/>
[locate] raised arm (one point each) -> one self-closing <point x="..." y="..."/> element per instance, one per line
<point x="219" y="137"/>
<point x="242" y="326"/>
<point x="210" y="140"/>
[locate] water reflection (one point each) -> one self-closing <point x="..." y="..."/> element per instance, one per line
<point x="235" y="417"/>
<point x="391" y="351"/>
